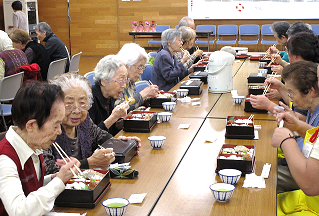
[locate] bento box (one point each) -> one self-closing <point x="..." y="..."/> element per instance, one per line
<point x="250" y="108"/>
<point x="241" y="56"/>
<point x="202" y="75"/>
<point x="194" y="87"/>
<point x="254" y="58"/>
<point x="200" y="67"/>
<point x="240" y="157"/>
<point x="239" y="127"/>
<point x="124" y="150"/>
<point x="140" y="121"/>
<point x="156" y="102"/>
<point x="256" y="89"/>
<point x="256" y="77"/>
<point x="84" y="198"/>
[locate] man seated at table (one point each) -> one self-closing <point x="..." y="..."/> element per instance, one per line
<point x="166" y="71"/>
<point x="55" y="47"/>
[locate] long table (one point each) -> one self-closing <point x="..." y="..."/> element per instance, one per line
<point x="157" y="35"/>
<point x="176" y="178"/>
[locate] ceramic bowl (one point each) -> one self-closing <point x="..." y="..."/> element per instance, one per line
<point x="115" y="206"/>
<point x="262" y="64"/>
<point x="229" y="176"/>
<point x="262" y="70"/>
<point x="222" y="191"/>
<point x="238" y="99"/>
<point x="157" y="141"/>
<point x="164" y="116"/>
<point x="182" y="92"/>
<point x="169" y="106"/>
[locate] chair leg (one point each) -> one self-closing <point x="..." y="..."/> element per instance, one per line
<point x="4" y="121"/>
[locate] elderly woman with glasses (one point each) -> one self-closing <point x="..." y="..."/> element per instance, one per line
<point x="301" y="81"/>
<point x="135" y="58"/>
<point x="167" y="71"/>
<point x="110" y="78"/>
<point x="80" y="137"/>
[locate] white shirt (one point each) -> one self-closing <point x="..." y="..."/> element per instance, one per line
<point x="11" y="193"/>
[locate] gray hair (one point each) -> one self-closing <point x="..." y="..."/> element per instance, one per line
<point x="73" y="80"/>
<point x="131" y="53"/>
<point x="169" y="36"/>
<point x="298" y="27"/>
<point x="5" y="41"/>
<point x="43" y="26"/>
<point x="106" y="68"/>
<point x="280" y="28"/>
<point x="184" y="21"/>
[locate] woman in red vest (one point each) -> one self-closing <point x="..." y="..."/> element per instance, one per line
<point x="37" y="112"/>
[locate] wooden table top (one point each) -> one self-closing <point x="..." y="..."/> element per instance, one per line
<point x="155" y="166"/>
<point x="188" y="192"/>
<point x="176" y="178"/>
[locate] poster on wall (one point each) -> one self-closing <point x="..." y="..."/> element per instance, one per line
<point x="253" y="9"/>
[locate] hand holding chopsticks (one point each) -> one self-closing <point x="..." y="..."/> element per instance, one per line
<point x="185" y="52"/>
<point x="273" y="74"/>
<point x="268" y="52"/>
<point x="60" y="151"/>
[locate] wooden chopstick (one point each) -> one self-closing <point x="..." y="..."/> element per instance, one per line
<point x="56" y="145"/>
<point x="250" y="117"/>
<point x="63" y="158"/>
<point x="101" y="147"/>
<point x="268" y="52"/>
<point x="272" y="60"/>
<point x="183" y="51"/>
<point x="267" y="87"/>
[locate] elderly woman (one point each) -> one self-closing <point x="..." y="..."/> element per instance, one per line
<point x="35" y="52"/>
<point x="110" y="78"/>
<point x="10" y="59"/>
<point x="167" y="71"/>
<point x="135" y="58"/>
<point x="302" y="86"/>
<point x="80" y="136"/>
<point x="37" y="111"/>
<point x="188" y="37"/>
<point x="301" y="46"/>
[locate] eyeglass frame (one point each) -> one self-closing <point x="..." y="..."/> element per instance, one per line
<point x="290" y="95"/>
<point x="122" y="82"/>
<point x="75" y="107"/>
<point x="140" y="67"/>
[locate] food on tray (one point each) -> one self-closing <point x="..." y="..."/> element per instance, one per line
<point x="237" y="153"/>
<point x="141" y="116"/>
<point x="87" y="181"/>
<point x="256" y="86"/>
<point x="165" y="95"/>
<point x="233" y="121"/>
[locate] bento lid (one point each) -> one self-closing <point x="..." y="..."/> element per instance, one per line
<point x="220" y="57"/>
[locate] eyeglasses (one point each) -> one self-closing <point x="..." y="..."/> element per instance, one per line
<point x="123" y="82"/>
<point x="71" y="108"/>
<point x="141" y="67"/>
<point x="290" y="94"/>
